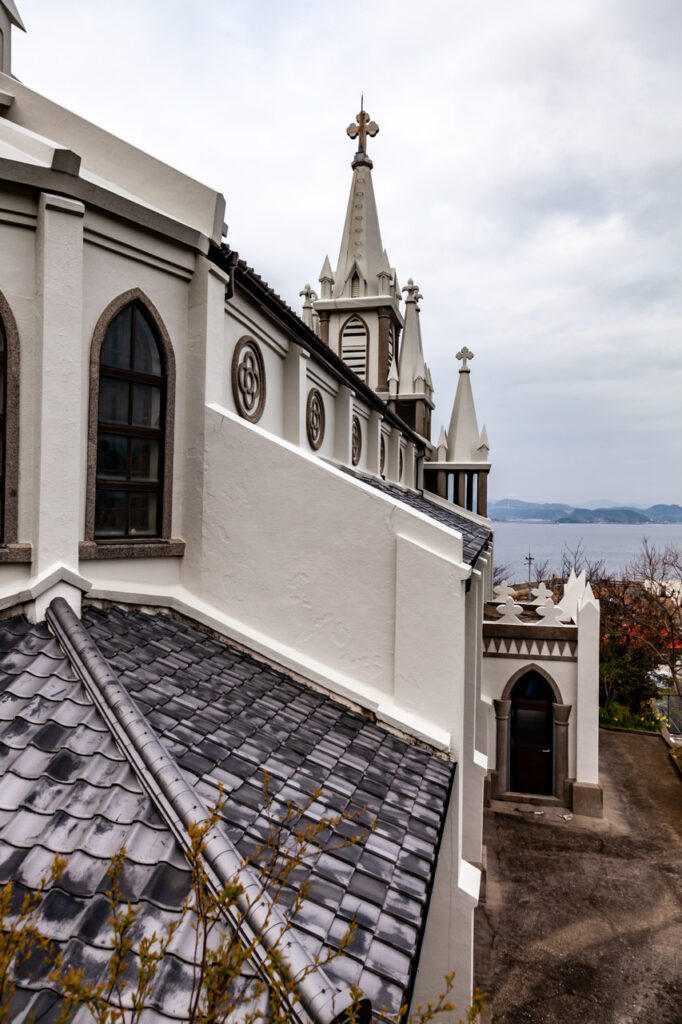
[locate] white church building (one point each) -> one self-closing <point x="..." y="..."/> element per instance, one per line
<point x="231" y="521"/>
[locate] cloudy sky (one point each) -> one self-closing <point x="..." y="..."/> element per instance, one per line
<point x="528" y="174"/>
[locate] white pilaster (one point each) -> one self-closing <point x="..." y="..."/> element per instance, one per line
<point x="373" y="442"/>
<point x="409" y="472"/>
<point x="62" y="372"/>
<point x="587" y="703"/>
<point x="343" y="424"/>
<point x="206" y="356"/>
<point x="295" y="394"/>
<point x="393" y="456"/>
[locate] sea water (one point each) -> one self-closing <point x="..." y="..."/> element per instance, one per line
<point x="615" y="543"/>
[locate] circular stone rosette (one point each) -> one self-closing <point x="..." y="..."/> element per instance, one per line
<point x="248" y="379"/>
<point x="315" y="418"/>
<point x="356" y="441"/>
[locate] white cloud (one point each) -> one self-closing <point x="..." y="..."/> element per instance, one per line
<point x="527" y="174"/>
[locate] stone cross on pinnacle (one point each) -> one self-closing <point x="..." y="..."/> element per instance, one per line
<point x="413" y="293"/>
<point x="464" y="354"/>
<point x="362" y="129"/>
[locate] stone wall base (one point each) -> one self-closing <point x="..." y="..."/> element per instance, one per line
<point x="588" y="799"/>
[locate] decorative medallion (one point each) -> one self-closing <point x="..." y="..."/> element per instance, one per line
<point x="382" y="460"/>
<point x="314" y="418"/>
<point x="356" y="441"/>
<point x="248" y="379"/>
<point x="400" y="465"/>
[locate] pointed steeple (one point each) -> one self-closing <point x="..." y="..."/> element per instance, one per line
<point x="464" y="440"/>
<point x="442" y="446"/>
<point x="13" y="13"/>
<point x="411" y="367"/>
<point x="362" y="258"/>
<point x="361" y="297"/>
<point x="326" y="279"/>
<point x="481" y="452"/>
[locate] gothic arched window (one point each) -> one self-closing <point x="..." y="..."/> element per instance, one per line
<point x="131" y="421"/>
<point x="354" y="346"/>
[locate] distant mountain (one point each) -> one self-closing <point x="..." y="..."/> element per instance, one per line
<point x="665" y="514"/>
<point x="512" y="510"/>
<point x="604" y="515"/>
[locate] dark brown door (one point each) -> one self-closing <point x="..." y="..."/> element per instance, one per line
<point x="531" y="767"/>
<point x="532" y="735"/>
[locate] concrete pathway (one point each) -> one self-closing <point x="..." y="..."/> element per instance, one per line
<point x="583" y="919"/>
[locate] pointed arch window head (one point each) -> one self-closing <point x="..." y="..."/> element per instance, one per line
<point x="130" y="429"/>
<point x="354" y="346"/>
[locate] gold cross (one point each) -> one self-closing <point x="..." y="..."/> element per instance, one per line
<point x="362" y="129"/>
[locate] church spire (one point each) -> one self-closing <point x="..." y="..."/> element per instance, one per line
<point x="414" y="387"/>
<point x="465" y="443"/>
<point x="358" y="311"/>
<point x="362" y="261"/>
<point x="411" y="366"/>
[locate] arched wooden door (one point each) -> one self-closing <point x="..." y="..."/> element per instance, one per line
<point x="532" y="735"/>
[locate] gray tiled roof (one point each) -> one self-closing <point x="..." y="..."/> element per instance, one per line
<point x="474" y="536"/>
<point x="227" y="717"/>
<point x="66" y="788"/>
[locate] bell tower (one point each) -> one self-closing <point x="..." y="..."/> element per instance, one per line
<point x="358" y="313"/>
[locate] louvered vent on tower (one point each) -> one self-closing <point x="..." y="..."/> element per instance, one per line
<point x="354" y="346"/>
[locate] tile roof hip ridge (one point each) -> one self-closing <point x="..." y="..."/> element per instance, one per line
<point x="180" y="806"/>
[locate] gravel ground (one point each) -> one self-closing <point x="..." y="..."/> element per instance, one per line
<point x="582" y="922"/>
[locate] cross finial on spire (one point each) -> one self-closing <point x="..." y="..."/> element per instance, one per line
<point x="363" y="128"/>
<point x="413" y="293"/>
<point x="464" y="354"/>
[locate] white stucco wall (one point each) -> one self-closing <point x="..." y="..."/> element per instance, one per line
<point x="301" y="562"/>
<point x="498" y="671"/>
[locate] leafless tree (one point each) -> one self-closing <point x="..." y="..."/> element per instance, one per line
<point x="654" y="577"/>
<point x="541" y="570"/>
<point x="500" y="573"/>
<point x="576" y="559"/>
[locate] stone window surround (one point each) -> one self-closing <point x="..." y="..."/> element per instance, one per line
<point x="148" y="547"/>
<point x="10" y="549"/>
<point x="561" y="712"/>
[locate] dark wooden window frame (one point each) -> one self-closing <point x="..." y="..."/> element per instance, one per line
<point x="10" y="549"/>
<point x="130" y="547"/>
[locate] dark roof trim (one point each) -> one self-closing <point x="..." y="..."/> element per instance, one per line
<point x="180" y="806"/>
<point x="259" y="291"/>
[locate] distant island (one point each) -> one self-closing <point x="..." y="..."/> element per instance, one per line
<point x="510" y="510"/>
